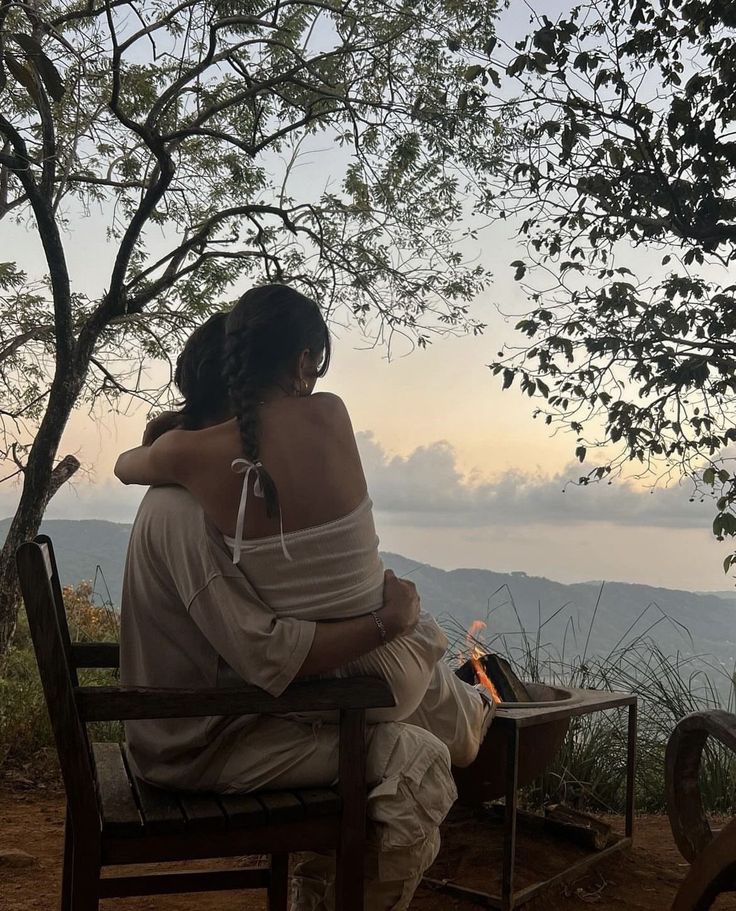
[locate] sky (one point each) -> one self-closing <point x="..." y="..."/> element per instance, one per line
<point x="459" y="472"/>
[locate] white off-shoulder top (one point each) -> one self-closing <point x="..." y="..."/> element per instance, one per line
<point x="330" y="571"/>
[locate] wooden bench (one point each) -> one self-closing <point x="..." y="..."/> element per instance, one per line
<point x="115" y="818"/>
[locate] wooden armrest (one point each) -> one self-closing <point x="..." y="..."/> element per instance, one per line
<point x="95" y="654"/>
<point x="690" y="827"/>
<point x="117" y="703"/>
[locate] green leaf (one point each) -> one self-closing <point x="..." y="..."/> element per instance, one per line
<point x="544" y="39"/>
<point x="493" y="74"/>
<point x="709" y="476"/>
<point x="517" y="65"/>
<point x="569" y="264"/>
<point x="550" y="127"/>
<point x="472" y="72"/>
<point x="520" y="267"/>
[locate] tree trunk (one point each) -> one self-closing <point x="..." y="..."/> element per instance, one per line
<point x="24" y="526"/>
<point x="40" y="483"/>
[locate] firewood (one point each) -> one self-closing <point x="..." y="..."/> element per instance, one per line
<point x="530" y="822"/>
<point x="509" y="687"/>
<point x="591" y="831"/>
<point x="572" y="825"/>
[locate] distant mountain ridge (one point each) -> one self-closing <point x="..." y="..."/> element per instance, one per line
<point x="698" y="623"/>
<point x="81" y="545"/>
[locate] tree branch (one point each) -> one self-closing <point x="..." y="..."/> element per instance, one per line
<point x="32" y="335"/>
<point x="64" y="470"/>
<point x="114" y="303"/>
<point x="51" y="240"/>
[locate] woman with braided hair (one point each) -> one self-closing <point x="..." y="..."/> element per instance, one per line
<point x="199" y="378"/>
<point x="276" y="469"/>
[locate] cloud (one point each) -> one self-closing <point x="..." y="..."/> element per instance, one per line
<point x="83" y="499"/>
<point x="426" y="488"/>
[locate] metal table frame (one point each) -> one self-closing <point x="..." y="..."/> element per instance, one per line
<point x="513" y="718"/>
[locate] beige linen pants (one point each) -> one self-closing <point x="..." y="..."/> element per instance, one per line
<point x="438" y="719"/>
<point x="426" y="691"/>
<point x="410" y="792"/>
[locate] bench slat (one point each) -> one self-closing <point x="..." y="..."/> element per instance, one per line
<point x="319" y="801"/>
<point x="243" y="811"/>
<point x="161" y="811"/>
<point x="131" y="806"/>
<point x="120" y="814"/>
<point x="282" y="806"/>
<point x="202" y="811"/>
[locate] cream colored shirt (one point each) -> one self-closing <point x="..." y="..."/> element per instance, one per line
<point x="191" y="619"/>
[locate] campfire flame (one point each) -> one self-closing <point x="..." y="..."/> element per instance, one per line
<point x="476" y="653"/>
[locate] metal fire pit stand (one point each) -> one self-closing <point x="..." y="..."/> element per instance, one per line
<point x="513" y="718"/>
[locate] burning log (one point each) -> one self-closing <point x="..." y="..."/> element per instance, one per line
<point x="509" y="687"/>
<point x="504" y="681"/>
<point x="477" y="672"/>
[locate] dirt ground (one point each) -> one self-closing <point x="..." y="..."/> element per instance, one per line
<point x="643" y="878"/>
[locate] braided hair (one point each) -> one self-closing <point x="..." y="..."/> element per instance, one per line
<point x="198" y="374"/>
<point x="265" y="333"/>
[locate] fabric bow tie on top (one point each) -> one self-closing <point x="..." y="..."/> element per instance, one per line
<point x="246" y="466"/>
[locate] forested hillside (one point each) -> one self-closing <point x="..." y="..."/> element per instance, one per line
<point x="686" y="622"/>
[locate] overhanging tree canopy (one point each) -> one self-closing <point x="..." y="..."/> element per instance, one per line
<point x="627" y="110"/>
<point x="186" y="120"/>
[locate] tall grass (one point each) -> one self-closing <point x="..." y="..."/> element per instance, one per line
<point x="27" y="749"/>
<point x="590" y="769"/>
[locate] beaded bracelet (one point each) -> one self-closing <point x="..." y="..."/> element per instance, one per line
<point x="381" y="627"/>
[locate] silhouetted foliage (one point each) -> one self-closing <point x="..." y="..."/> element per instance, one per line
<point x="628" y="141"/>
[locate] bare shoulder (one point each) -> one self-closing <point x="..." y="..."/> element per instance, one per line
<point x="310" y="440"/>
<point x="327" y="401"/>
<point x="328" y="407"/>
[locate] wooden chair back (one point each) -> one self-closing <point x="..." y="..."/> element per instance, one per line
<point x="41" y="590"/>
<point x="107" y="824"/>
<point x="56" y="590"/>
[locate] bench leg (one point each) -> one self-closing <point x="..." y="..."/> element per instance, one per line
<point x="85" y="885"/>
<point x="66" y="875"/>
<point x="278" y="887"/>
<point x="349" y="875"/>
